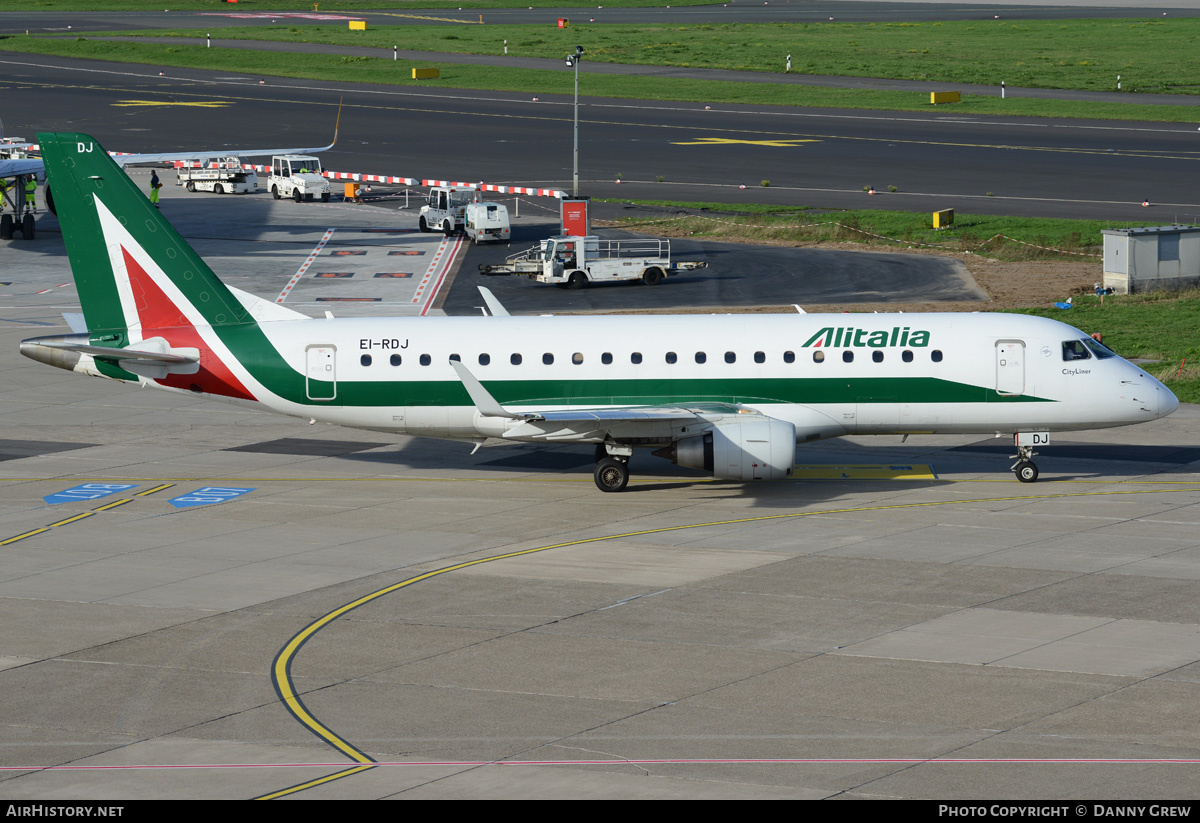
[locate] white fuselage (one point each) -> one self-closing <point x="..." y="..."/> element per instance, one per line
<point x="903" y="373"/>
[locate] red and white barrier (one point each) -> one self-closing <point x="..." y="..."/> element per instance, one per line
<point x="397" y="181"/>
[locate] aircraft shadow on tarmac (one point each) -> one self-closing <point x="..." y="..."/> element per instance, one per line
<point x="1065" y="461"/>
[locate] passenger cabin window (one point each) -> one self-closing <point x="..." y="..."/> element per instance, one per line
<point x="456" y="357"/>
<point x="789" y="357"/>
<point x="818" y="356"/>
<point x="906" y="356"/>
<point x="936" y="355"/>
<point x="515" y="359"/>
<point x="760" y="357"/>
<point x="426" y="360"/>
<point x="606" y="358"/>
<point x="701" y="357"/>
<point x="877" y="356"/>
<point x="672" y="357"/>
<point x="635" y="358"/>
<point x="730" y="357"/>
<point x="577" y="358"/>
<point x="1075" y="350"/>
<point x="365" y="360"/>
<point x="396" y="360"/>
<point x="485" y="359"/>
<point x="548" y="359"/>
<point x="847" y="356"/>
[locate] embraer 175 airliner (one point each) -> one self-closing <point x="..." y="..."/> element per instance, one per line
<point x="730" y="394"/>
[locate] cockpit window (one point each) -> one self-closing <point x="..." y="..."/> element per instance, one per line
<point x="1075" y="350"/>
<point x="1101" y="351"/>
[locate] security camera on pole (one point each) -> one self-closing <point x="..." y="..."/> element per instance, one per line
<point x="573" y="61"/>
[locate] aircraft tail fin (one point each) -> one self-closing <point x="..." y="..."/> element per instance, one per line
<point x="133" y="270"/>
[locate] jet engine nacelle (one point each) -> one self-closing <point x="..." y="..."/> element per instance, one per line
<point x="755" y="449"/>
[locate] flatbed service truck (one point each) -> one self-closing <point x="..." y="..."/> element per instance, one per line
<point x="575" y="262"/>
<point x="225" y="176"/>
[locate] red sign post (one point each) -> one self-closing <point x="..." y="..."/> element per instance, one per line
<point x="575" y="219"/>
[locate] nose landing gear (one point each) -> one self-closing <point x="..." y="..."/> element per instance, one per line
<point x="1025" y="469"/>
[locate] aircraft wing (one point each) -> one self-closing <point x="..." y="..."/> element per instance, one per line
<point x="34" y="165"/>
<point x="13" y="168"/>
<point x="25" y="165"/>
<point x="588" y="424"/>
<point x="207" y="154"/>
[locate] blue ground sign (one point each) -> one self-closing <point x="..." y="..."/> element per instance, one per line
<point x="86" y="492"/>
<point x="207" y="496"/>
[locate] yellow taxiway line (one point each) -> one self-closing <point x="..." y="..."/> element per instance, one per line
<point x="281" y="667"/>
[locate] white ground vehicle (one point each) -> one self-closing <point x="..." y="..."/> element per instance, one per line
<point x="487" y="221"/>
<point x="297" y="176"/>
<point x="446" y="209"/>
<point x="225" y="176"/>
<point x="576" y="261"/>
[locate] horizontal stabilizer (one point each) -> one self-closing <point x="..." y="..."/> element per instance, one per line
<point x="171" y="357"/>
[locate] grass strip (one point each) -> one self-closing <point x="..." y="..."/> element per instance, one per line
<point x="358" y="69"/>
<point x="1155" y="55"/>
<point x="1049" y="238"/>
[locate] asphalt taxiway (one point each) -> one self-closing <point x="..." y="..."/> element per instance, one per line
<point x="269" y="608"/>
<point x="630" y="149"/>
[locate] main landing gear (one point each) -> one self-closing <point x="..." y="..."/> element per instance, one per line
<point x="612" y="469"/>
<point x="1025" y="469"/>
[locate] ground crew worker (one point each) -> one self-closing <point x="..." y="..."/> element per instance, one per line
<point x="30" y="190"/>
<point x="154" y="187"/>
<point x="4" y="194"/>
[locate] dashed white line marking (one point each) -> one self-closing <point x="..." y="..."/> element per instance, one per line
<point x="300" y="272"/>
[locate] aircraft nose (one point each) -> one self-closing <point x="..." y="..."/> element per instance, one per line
<point x="1167" y="401"/>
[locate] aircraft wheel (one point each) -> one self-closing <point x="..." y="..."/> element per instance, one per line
<point x="1026" y="471"/>
<point x="611" y="475"/>
<point x="50" y="202"/>
<point x="274" y="191"/>
<point x="652" y="277"/>
<point x="27" y="227"/>
<point x="190" y="186"/>
<point x="6" y="227"/>
<point x="577" y="280"/>
<point x="423" y="225"/>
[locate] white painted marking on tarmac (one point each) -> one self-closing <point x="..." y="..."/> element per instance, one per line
<point x="300" y="272"/>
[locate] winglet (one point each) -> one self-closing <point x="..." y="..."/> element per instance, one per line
<point x="483" y="399"/>
<point x="494" y="306"/>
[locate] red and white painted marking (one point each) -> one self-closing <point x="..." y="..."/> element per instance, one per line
<point x="300" y="272"/>
<point x="439" y="267"/>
